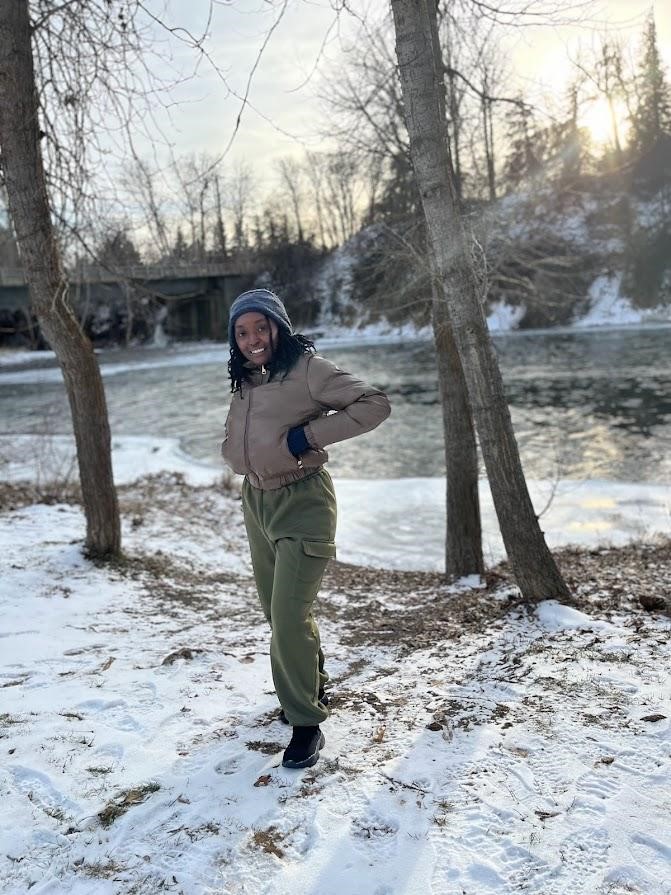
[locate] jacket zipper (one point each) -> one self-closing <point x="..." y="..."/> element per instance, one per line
<point x="245" y="440"/>
<point x="299" y="462"/>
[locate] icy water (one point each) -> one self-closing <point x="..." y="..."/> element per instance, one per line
<point x="593" y="405"/>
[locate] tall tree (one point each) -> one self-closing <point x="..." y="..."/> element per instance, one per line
<point x="368" y="102"/>
<point x="291" y="176"/>
<point x="652" y="114"/>
<point x="23" y="171"/>
<point x="523" y="161"/>
<point x="420" y="65"/>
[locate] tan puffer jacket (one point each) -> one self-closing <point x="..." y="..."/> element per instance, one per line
<point x="331" y="404"/>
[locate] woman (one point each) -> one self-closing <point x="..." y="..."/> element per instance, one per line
<point x="288" y="404"/>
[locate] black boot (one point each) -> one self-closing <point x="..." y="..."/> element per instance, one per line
<point x="323" y="698"/>
<point x="303" y="750"/>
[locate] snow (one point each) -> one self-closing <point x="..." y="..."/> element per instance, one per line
<point x="509" y="756"/>
<point x="503" y="317"/>
<point x="399" y="523"/>
<point x="609" y="308"/>
<point x="178" y="356"/>
<point x="45" y="457"/>
<point x="387" y="523"/>
<point x="558" y="617"/>
<point x="18" y="356"/>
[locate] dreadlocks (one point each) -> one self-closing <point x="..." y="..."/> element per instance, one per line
<point x="289" y="347"/>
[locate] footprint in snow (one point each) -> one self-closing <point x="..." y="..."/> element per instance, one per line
<point x="599" y="784"/>
<point x="373" y="826"/>
<point x="39" y="788"/>
<point x="642" y="764"/>
<point x="652" y="854"/>
<point x="485" y="877"/>
<point x="585" y="853"/>
<point x="583" y="862"/>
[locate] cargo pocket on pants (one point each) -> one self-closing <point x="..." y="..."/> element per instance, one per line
<point x="322" y="549"/>
<point x="315" y="556"/>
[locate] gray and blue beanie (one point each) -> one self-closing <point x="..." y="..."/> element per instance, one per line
<point x="264" y="302"/>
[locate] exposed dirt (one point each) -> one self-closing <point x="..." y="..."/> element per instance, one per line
<point x="425" y="609"/>
<point x="410" y="610"/>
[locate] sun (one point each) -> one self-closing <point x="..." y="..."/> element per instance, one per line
<point x="597" y="118"/>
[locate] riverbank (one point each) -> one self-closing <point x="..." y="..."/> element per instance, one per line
<point x="389" y="523"/>
<point x="476" y="744"/>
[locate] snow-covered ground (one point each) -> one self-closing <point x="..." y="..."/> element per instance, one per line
<point x="475" y="746"/>
<point x="22" y="356"/>
<point x="388" y="523"/>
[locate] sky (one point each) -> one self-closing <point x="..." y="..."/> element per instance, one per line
<point x="285" y="114"/>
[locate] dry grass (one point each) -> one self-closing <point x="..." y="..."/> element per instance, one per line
<point x="120" y="805"/>
<point x="109" y="870"/>
<point x="269" y="841"/>
<point x="265" y="747"/>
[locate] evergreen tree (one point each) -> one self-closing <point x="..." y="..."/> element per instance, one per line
<point x="651" y="119"/>
<point x="118" y="250"/>
<point x="526" y="149"/>
<point x="180" y="250"/>
<point x="568" y="142"/>
<point x="400" y="198"/>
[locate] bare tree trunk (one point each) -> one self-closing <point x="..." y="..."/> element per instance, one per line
<point x="316" y="178"/>
<point x="125" y="285"/>
<point x="455" y="143"/>
<point x="23" y="171"/>
<point x="422" y="81"/>
<point x="220" y="229"/>
<point x="489" y="146"/>
<point x="463" y="536"/>
<point x="203" y="215"/>
<point x="291" y="175"/>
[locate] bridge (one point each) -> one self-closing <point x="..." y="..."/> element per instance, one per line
<point x="197" y="297"/>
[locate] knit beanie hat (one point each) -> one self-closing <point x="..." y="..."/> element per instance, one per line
<point x="265" y="302"/>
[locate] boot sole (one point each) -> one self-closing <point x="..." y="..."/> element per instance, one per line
<point x="309" y="761"/>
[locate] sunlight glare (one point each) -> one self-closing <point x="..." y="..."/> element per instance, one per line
<point x="596" y="118"/>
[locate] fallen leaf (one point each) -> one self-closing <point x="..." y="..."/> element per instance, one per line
<point x="378" y="736"/>
<point x="184" y="653"/>
<point x="434" y="725"/>
<point x="655" y="717"/>
<point x="264" y="780"/>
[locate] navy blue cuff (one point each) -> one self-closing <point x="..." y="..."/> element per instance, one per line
<point x="297" y="442"/>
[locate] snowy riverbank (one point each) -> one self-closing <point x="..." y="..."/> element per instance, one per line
<point x="388" y="523"/>
<point x="476" y="746"/>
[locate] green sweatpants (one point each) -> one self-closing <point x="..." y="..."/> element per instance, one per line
<point x="291" y="534"/>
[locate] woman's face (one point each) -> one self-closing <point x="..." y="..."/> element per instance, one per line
<point x="256" y="337"/>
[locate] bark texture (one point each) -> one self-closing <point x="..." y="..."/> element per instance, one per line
<point x="22" y="167"/>
<point x="417" y="50"/>
<point x="463" y="536"/>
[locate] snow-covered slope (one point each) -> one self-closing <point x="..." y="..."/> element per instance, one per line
<point x="589" y="240"/>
